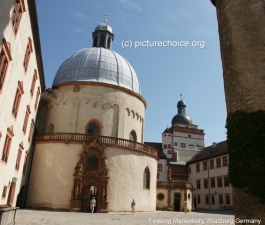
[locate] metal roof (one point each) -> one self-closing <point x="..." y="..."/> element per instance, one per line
<point x="209" y="152"/>
<point x="98" y="65"/>
<point x="181" y="118"/>
<point x="103" y="26"/>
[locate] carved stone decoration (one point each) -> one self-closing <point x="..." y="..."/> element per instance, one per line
<point x="103" y="191"/>
<point x="91" y="178"/>
<point x="103" y="149"/>
<point x="77" y="188"/>
<point x="79" y="168"/>
<point x="95" y="141"/>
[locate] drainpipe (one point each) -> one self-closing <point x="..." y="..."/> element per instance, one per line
<point x="209" y="187"/>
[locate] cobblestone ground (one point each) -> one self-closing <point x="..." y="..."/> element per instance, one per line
<point x="206" y="217"/>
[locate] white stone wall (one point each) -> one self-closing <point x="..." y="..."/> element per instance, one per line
<point x="162" y="204"/>
<point x="52" y="177"/>
<point x="118" y="112"/>
<point x="193" y="144"/>
<point x="213" y="173"/>
<point x="126" y="169"/>
<point x="15" y="73"/>
<point x="163" y="173"/>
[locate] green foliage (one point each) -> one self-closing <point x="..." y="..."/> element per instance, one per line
<point x="246" y="148"/>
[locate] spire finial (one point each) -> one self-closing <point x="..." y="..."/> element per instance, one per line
<point x="105" y="19"/>
<point x="181" y="94"/>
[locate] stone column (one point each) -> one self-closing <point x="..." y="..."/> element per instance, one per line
<point x="242" y="42"/>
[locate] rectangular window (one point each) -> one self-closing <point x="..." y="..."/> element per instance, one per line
<point x="175" y="156"/>
<point x="4" y="192"/>
<point x="17" y="99"/>
<point x="159" y="167"/>
<point x="199" y="199"/>
<point x="37" y="99"/>
<point x="212" y="182"/>
<point x="225" y="161"/>
<point x="25" y="163"/>
<point x="213" y="199"/>
<point x="168" y="151"/>
<point x="176" y="144"/>
<point x="198" y="184"/>
<point x="219" y="182"/>
<point x="26" y="119"/>
<point x="7" y="144"/>
<point x="227" y="199"/>
<point x="221" y="200"/>
<point x="169" y="146"/>
<point x="5" y="58"/>
<point x="197" y="167"/>
<point x="19" y="154"/>
<point x="226" y="182"/>
<point x="31" y="130"/>
<point x="212" y="164"/>
<point x="218" y="162"/>
<point x="165" y="146"/>
<point x="182" y="145"/>
<point x="205" y="165"/>
<point x="18" y="10"/>
<point x="205" y="183"/>
<point x="206" y="199"/>
<point x="27" y="55"/>
<point x="34" y="78"/>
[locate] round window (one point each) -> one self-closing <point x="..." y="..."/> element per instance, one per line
<point x="160" y="196"/>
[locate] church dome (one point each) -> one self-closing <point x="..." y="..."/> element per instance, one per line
<point x="98" y="65"/>
<point x="181" y="117"/>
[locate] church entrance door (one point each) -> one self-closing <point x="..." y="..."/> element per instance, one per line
<point x="85" y="199"/>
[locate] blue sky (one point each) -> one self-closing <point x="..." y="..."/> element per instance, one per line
<point x="163" y="72"/>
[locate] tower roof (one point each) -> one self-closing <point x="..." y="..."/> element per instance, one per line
<point x="181" y="117"/>
<point x="103" y="26"/>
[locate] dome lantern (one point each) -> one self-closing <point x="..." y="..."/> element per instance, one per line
<point x="103" y="36"/>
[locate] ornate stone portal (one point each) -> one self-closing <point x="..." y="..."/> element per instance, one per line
<point x="90" y="178"/>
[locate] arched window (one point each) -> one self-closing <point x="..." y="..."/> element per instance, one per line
<point x="133" y="136"/>
<point x="146" y="178"/>
<point x="102" y="41"/>
<point x="93" y="128"/>
<point x="92" y="163"/>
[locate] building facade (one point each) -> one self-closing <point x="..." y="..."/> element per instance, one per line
<point x="90" y="136"/>
<point x="179" y="144"/>
<point x="208" y="173"/>
<point x="21" y="83"/>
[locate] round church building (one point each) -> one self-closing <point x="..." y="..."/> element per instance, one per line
<point x="89" y="136"/>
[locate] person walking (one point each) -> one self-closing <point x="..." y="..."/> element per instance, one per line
<point x="185" y="206"/>
<point x="133" y="206"/>
<point x="92" y="204"/>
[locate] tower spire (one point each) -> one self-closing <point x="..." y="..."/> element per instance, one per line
<point x="105" y="19"/>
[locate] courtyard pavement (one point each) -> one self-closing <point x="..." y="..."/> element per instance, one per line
<point x="206" y="217"/>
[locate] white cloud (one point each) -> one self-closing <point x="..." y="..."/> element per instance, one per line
<point x="79" y="15"/>
<point x="127" y="4"/>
